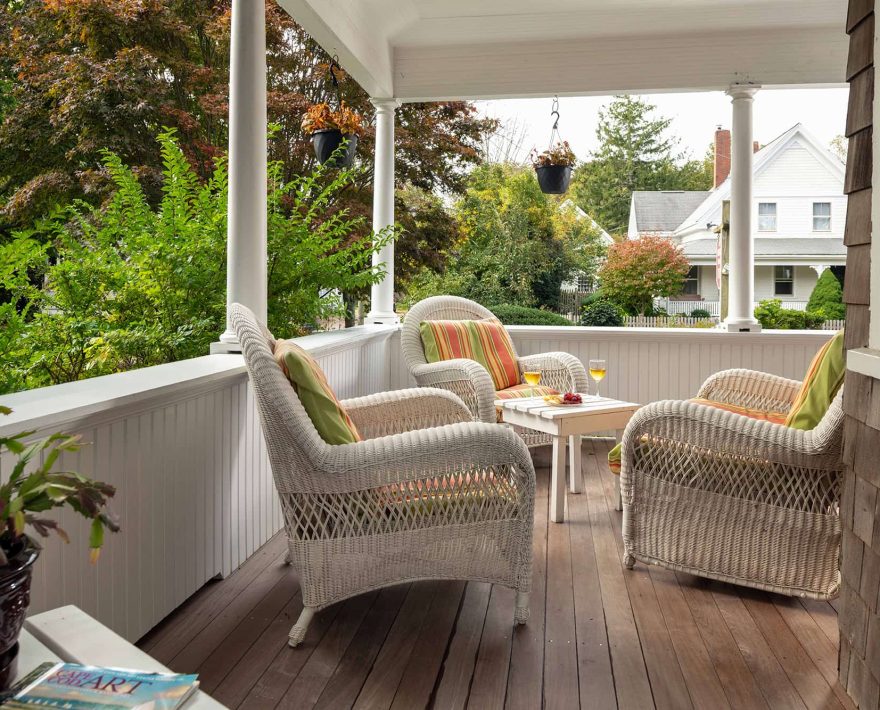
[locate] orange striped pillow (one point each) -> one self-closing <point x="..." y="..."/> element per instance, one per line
<point x="485" y="341"/>
<point x="314" y="392"/>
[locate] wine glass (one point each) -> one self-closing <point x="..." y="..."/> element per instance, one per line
<point x="597" y="372"/>
<point x="532" y="377"/>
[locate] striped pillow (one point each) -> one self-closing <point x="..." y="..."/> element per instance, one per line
<point x="485" y="341"/>
<point x="308" y="380"/>
<point x="820" y="386"/>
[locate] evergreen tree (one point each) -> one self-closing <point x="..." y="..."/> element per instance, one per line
<point x="635" y="152"/>
<point x="827" y="297"/>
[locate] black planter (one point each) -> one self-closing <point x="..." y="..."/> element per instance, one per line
<point x="554" y="179"/>
<point x="15" y="596"/>
<point x="325" y="144"/>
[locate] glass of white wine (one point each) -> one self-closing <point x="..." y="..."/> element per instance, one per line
<point x="597" y="372"/>
<point x="533" y="378"/>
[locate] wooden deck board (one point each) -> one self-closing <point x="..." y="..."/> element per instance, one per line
<point x="600" y="636"/>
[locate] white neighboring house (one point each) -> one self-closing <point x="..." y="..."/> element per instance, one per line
<point x="799" y="213"/>
<point x="584" y="282"/>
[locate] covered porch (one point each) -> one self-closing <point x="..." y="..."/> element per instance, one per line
<point x="183" y="444"/>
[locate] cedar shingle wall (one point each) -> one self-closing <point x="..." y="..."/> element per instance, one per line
<point x="860" y="505"/>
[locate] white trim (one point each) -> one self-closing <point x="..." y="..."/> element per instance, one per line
<point x="874" y="276"/>
<point x="865" y="361"/>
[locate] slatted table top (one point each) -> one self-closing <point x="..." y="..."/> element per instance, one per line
<point x="537" y="407"/>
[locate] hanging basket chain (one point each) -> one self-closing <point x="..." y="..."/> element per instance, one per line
<point x="331" y="70"/>
<point x="554" y="131"/>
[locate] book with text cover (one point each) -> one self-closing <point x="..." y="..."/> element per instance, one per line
<point x="75" y="687"/>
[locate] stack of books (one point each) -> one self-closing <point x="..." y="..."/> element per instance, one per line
<point x="75" y="687"/>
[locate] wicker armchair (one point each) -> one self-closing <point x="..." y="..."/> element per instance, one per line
<point x="467" y="378"/>
<point x="723" y="496"/>
<point x="429" y="494"/>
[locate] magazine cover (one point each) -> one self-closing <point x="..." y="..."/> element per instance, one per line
<point x="75" y="687"/>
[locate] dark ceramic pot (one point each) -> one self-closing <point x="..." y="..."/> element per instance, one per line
<point x="15" y="596"/>
<point x="326" y="142"/>
<point x="554" y="179"/>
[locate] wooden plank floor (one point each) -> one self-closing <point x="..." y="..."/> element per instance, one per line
<point x="600" y="636"/>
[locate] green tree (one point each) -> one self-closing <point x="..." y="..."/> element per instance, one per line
<point x="515" y="245"/>
<point x="827" y="297"/>
<point x="639" y="270"/>
<point x="128" y="285"/>
<point x="635" y="152"/>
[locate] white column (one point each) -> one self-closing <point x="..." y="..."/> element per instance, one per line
<point x="246" y="230"/>
<point x="382" y="296"/>
<point x="740" y="308"/>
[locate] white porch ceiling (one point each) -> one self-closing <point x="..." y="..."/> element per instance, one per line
<point x="453" y="49"/>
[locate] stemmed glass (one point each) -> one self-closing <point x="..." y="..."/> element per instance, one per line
<point x="532" y="378"/>
<point x="597" y="372"/>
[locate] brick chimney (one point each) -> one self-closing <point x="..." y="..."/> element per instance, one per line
<point x="722" y="155"/>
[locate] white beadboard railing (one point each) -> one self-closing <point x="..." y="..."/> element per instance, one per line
<point x="182" y="444"/>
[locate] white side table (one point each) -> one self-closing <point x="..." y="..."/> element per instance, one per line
<point x="566" y="424"/>
<point x="69" y="634"/>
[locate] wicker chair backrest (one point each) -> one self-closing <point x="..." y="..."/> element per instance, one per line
<point x="291" y="438"/>
<point x="435" y="308"/>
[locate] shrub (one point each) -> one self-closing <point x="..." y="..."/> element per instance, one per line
<point x="772" y="315"/>
<point x="602" y="313"/>
<point x="700" y="313"/>
<point x="510" y="314"/>
<point x="827" y="297"/>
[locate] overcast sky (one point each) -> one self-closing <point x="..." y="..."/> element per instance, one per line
<point x="695" y="116"/>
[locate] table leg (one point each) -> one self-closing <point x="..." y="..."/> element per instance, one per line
<point x="576" y="480"/>
<point x="618" y="503"/>
<point x="557" y="481"/>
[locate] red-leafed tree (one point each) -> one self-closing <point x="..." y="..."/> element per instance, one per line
<point x="639" y="270"/>
<point x="81" y="76"/>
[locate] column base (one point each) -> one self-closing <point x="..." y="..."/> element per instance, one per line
<point x="382" y="318"/>
<point x="748" y="326"/>
<point x="223" y="347"/>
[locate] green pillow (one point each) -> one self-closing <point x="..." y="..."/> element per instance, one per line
<point x="820" y="386"/>
<point x="327" y="414"/>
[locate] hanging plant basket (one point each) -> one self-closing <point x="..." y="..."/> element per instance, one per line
<point x="331" y="129"/>
<point x="553" y="179"/>
<point x="326" y="143"/>
<point x="553" y="166"/>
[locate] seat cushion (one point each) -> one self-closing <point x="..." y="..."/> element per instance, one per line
<point x="317" y="397"/>
<point x="484" y="341"/>
<point x="820" y="386"/>
<point x="616" y="454"/>
<point x="521" y="391"/>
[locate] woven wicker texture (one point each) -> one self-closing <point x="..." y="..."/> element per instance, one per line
<point x="740" y="500"/>
<point x="429" y="493"/>
<point x="470" y="380"/>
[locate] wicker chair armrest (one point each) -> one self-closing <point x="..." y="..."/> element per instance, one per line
<point x="404" y="410"/>
<point x="423" y="454"/>
<point x="750" y="388"/>
<point x="466" y="378"/>
<point x="710" y="431"/>
<point x="562" y="371"/>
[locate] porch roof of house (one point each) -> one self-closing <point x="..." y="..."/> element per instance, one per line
<point x="772" y="249"/>
<point x="417" y="50"/>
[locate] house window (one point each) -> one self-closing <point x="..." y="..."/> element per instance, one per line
<point x="585" y="283"/>
<point x="766" y="216"/>
<point x="821" y="216"/>
<point x="783" y="281"/>
<point x="692" y="282"/>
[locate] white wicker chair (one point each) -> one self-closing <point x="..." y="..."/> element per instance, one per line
<point x="429" y="494"/>
<point x="723" y="496"/>
<point x="467" y="378"/>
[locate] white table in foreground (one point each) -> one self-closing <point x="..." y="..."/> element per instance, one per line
<point x="566" y="424"/>
<point x="71" y="635"/>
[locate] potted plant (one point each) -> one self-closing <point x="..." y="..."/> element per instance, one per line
<point x="553" y="168"/>
<point x="33" y="487"/>
<point x="328" y="129"/>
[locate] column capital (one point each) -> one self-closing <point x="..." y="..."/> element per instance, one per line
<point x="742" y="91"/>
<point x="385" y="105"/>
